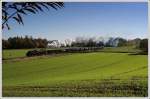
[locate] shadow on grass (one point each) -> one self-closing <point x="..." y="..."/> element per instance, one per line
<point x="139" y="53"/>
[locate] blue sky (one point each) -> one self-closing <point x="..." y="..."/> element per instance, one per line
<point x="127" y="20"/>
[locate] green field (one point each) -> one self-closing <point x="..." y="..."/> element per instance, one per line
<point x="124" y="49"/>
<point x="19" y="53"/>
<point x="80" y="74"/>
<point x="15" y="53"/>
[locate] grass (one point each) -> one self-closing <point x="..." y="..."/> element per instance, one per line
<point x="15" y="53"/>
<point x="82" y="74"/>
<point x="124" y="49"/>
<point x="18" y="53"/>
<point x="105" y="87"/>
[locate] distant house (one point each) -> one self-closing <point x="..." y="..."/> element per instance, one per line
<point x="53" y="44"/>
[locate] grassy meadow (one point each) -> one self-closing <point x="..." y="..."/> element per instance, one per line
<point x="78" y="74"/>
<point x="124" y="49"/>
<point x="14" y="53"/>
<point x="74" y="49"/>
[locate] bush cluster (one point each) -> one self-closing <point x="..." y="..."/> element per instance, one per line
<point x="65" y="50"/>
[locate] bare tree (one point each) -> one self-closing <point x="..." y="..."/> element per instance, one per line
<point x="68" y="42"/>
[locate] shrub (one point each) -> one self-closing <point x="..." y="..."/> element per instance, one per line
<point x="58" y="51"/>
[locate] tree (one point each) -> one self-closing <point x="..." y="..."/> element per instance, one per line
<point x="26" y="42"/>
<point x="15" y="10"/>
<point x="5" y="44"/>
<point x="68" y="42"/>
<point x="91" y="43"/>
<point x="122" y="42"/>
<point x="144" y="45"/>
<point x="86" y="42"/>
<point x="100" y="44"/>
<point x="110" y="43"/>
<point x="137" y="42"/>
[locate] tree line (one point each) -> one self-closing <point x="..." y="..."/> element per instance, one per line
<point x="29" y="42"/>
<point x="24" y="42"/>
<point x="93" y="42"/>
<point x="137" y="43"/>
